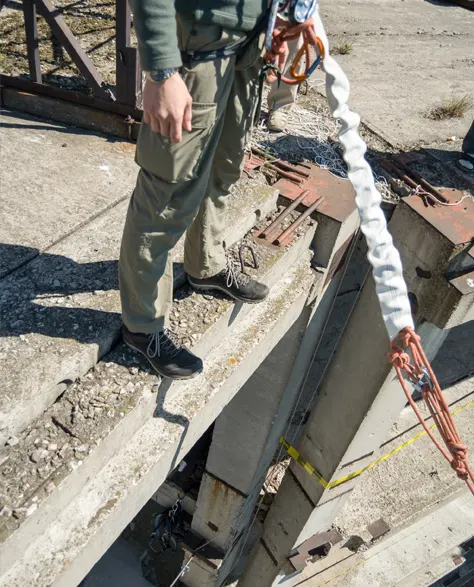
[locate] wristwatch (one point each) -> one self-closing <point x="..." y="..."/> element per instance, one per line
<point x="162" y="74"/>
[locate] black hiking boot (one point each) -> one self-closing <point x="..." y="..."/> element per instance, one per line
<point x="167" y="357"/>
<point x="234" y="282"/>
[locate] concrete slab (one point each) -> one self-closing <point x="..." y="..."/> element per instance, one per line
<point x="100" y="413"/>
<point x="88" y="524"/>
<point x="61" y="312"/>
<point x="396" y="560"/>
<point x="413" y="480"/>
<point x="54" y="179"/>
<point x="406" y="57"/>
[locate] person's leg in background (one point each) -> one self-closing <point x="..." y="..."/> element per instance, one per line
<point x="281" y="97"/>
<point x="205" y="259"/>
<point x="466" y="160"/>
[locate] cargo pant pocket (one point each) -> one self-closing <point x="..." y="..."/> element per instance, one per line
<point x="177" y="162"/>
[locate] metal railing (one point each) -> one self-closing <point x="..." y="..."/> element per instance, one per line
<point x="124" y="99"/>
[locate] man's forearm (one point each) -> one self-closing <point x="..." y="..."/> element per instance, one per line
<point x="155" y="26"/>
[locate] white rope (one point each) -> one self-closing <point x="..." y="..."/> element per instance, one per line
<point x="382" y="255"/>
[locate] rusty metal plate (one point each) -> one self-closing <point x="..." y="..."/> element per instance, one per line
<point x="464" y="283"/>
<point x="299" y="557"/>
<point x="339" y="202"/>
<point x="252" y="163"/>
<point x="456" y="223"/>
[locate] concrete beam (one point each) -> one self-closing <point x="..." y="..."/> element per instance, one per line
<point x="60" y="313"/>
<point x="435" y="244"/>
<point x="360" y="398"/>
<point x="85" y="527"/>
<point x="246" y="435"/>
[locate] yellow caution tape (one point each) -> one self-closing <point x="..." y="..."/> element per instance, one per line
<point x="295" y="455"/>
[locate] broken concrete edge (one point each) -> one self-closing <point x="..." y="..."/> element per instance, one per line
<point x="89" y="523"/>
<point x="134" y="410"/>
<point x="253" y="204"/>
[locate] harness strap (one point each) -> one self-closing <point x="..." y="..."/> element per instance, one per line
<point x="233" y="48"/>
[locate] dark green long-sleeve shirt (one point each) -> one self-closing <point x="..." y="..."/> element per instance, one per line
<point x="155" y="24"/>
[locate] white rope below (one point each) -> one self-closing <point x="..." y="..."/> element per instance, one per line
<point x="382" y="255"/>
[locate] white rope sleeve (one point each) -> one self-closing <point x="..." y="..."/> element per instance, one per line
<point x="382" y="255"/>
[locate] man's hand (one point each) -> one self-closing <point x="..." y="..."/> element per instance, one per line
<point x="280" y="61"/>
<point x="167" y="107"/>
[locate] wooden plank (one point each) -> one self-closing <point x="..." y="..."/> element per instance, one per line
<point x="74" y="49"/>
<point x="128" y="72"/>
<point x="32" y="43"/>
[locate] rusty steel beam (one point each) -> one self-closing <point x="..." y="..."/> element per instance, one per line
<point x="391" y="168"/>
<point x="421" y="180"/>
<point x="285" y="237"/>
<point x="281" y="165"/>
<point x="74" y="49"/>
<point x="32" y="44"/>
<point x="270" y="232"/>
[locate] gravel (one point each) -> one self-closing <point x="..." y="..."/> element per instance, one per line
<point x="36" y="461"/>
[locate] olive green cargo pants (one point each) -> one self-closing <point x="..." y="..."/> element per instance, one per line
<point x="186" y="186"/>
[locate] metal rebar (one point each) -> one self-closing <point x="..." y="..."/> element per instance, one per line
<point x="283" y="164"/>
<point x="285" y="237"/>
<point x="393" y="169"/>
<point x="273" y="227"/>
<point x="286" y="174"/>
<point x="421" y="181"/>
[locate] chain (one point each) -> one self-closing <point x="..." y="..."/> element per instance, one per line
<point x="167" y="526"/>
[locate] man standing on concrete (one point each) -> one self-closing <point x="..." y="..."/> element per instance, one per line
<point x="203" y="61"/>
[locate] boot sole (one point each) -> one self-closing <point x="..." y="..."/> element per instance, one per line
<point x="174" y="378"/>
<point x="221" y="289"/>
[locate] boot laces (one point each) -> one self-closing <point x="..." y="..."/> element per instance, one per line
<point x="235" y="272"/>
<point x="165" y="342"/>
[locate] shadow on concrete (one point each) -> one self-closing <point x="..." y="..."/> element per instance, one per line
<point x="36" y="300"/>
<point x="162" y="413"/>
<point x="51" y="125"/>
<point x="53" y="278"/>
<point x="454" y="360"/>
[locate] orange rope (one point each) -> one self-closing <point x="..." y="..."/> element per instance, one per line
<point x="421" y="374"/>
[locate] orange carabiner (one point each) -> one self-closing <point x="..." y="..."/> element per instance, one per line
<point x="296" y="77"/>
